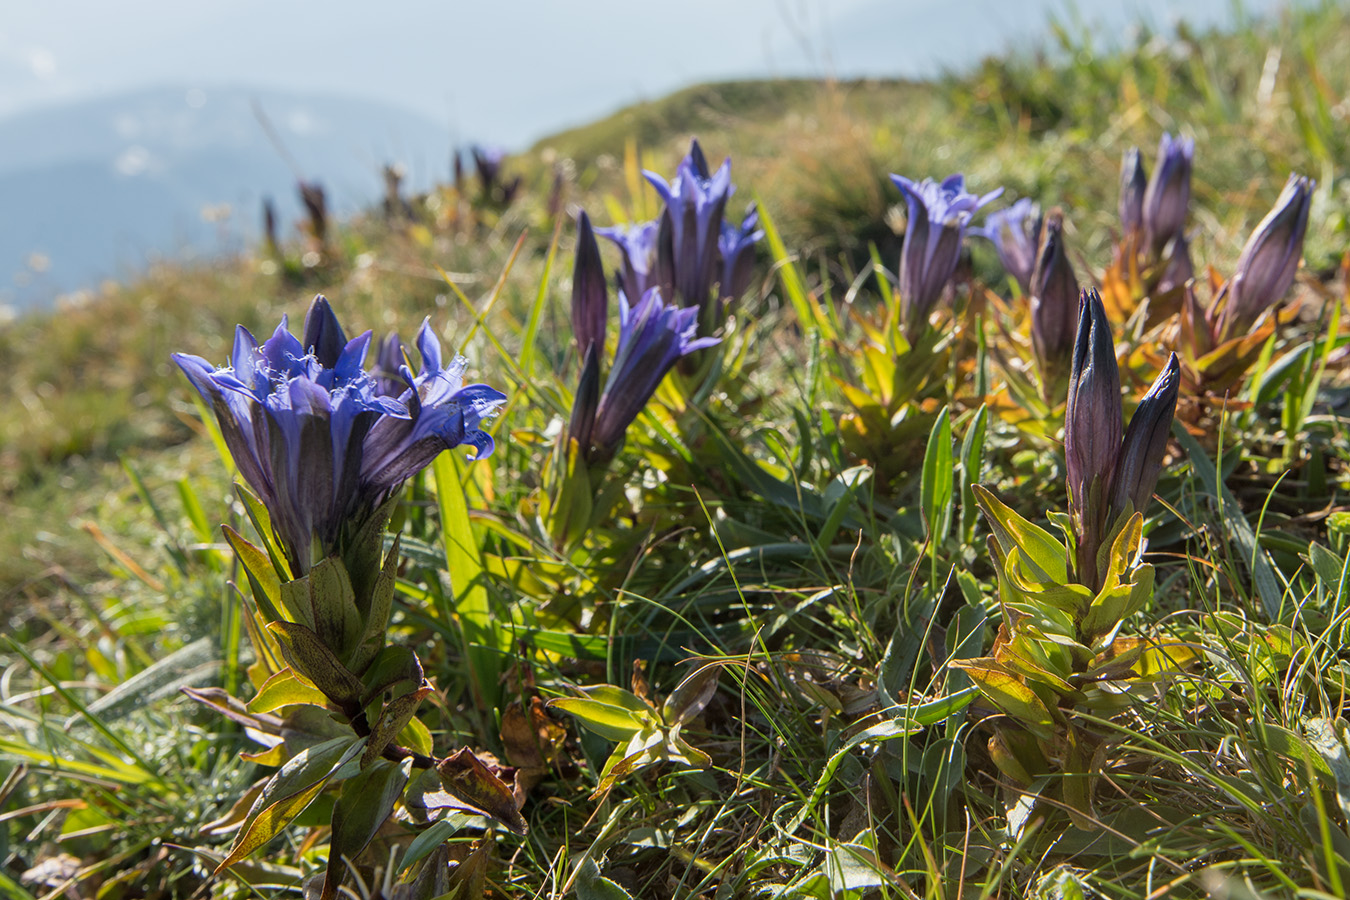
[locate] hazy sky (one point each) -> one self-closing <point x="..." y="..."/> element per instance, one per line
<point x="513" y="70"/>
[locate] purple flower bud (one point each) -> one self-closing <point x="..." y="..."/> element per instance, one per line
<point x="1093" y="420"/>
<point x="696" y="201"/>
<point x="590" y="300"/>
<point x="1054" y="300"/>
<point x="652" y="338"/>
<point x="1016" y="233"/>
<point x="315" y="201"/>
<point x="487" y="161"/>
<point x="1168" y="195"/>
<point x="1133" y="184"/>
<point x="1270" y="258"/>
<point x="587" y="398"/>
<point x="315" y="439"/>
<point x="389" y="365"/>
<point x="1178" y="269"/>
<point x="1145" y="442"/>
<point x="938" y="216"/>
<point x="323" y="333"/>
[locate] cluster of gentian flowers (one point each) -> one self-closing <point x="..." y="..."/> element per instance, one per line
<point x="691" y="252"/>
<point x="487" y="164"/>
<point x="324" y="443"/>
<point x="1153" y="209"/>
<point x="653" y="336"/>
<point x="677" y="275"/>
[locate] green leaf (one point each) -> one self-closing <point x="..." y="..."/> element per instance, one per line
<point x="308" y="656"/>
<point x="809" y="313"/>
<point x="393" y="717"/>
<point x="972" y="466"/>
<point x="570" y="497"/>
<point x="364" y="805"/>
<point x="285" y="688"/>
<point x="262" y="577"/>
<point x="483" y="643"/>
<point x="1008" y="692"/>
<point x="591" y="885"/>
<point x="377" y="618"/>
<point x="336" y="619"/>
<point x="392" y="666"/>
<point x="292" y="789"/>
<point x="605" y="719"/>
<point x="1047" y="556"/>
<point x="262" y="524"/>
<point x="936" y="485"/>
<point x="438" y="833"/>
<point x="692" y="694"/>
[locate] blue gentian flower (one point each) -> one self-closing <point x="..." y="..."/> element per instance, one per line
<point x="643" y="266"/>
<point x="1015" y="233"/>
<point x="938" y="216"/>
<point x="316" y="440"/>
<point x="652" y="337"/>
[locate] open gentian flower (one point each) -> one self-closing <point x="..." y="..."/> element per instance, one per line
<point x="316" y="440"/>
<point x="695" y="200"/>
<point x="642" y="263"/>
<point x="652" y="337"/>
<point x="938" y="216"/>
<point x="1015" y="233"/>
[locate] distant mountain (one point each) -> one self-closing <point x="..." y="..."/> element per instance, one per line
<point x="99" y="188"/>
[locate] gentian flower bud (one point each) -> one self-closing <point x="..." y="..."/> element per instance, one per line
<point x="1093" y="420"/>
<point x="1178" y="269"/>
<point x="1270" y="258"/>
<point x="1108" y="474"/>
<point x="590" y="297"/>
<point x="1133" y="183"/>
<point x="315" y="201"/>
<point x="1016" y="233"/>
<point x="316" y="441"/>
<point x="1054" y="300"/>
<point x="1145" y="442"/>
<point x="938" y="216"/>
<point x="652" y="338"/>
<point x="1168" y="195"/>
<point x="696" y="201"/>
<point x="389" y="365"/>
<point x="736" y="246"/>
<point x="586" y="400"/>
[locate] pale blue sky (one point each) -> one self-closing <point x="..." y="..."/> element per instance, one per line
<point x="514" y="70"/>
